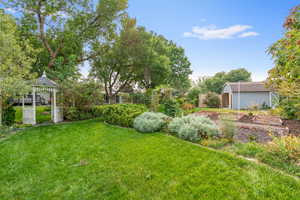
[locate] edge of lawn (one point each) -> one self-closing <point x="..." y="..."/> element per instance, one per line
<point x="252" y="162"/>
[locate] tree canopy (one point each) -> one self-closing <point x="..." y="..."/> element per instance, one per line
<point x="134" y="57"/>
<point x="65" y="29"/>
<point x="216" y="83"/>
<point x="284" y="77"/>
<point x="15" y="63"/>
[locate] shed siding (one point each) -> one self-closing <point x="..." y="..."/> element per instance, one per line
<point x="249" y="99"/>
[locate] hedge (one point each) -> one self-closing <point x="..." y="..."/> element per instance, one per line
<point x="116" y="114"/>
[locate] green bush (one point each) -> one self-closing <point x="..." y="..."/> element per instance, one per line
<point x="74" y="113"/>
<point x="212" y="100"/>
<point x="193" y="127"/>
<point x="228" y="129"/>
<point x="188" y="132"/>
<point x="149" y="122"/>
<point x="8" y="116"/>
<point x="170" y="107"/>
<point x="119" y="114"/>
<point x="288" y="109"/>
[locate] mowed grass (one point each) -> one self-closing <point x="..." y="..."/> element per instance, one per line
<point x="43" y="114"/>
<point x="92" y="160"/>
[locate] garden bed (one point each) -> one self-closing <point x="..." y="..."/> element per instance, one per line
<point x="293" y="125"/>
<point x="259" y="127"/>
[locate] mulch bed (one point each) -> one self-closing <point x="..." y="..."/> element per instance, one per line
<point x="261" y="119"/>
<point x="260" y="128"/>
<point x="258" y="133"/>
<point x="293" y="125"/>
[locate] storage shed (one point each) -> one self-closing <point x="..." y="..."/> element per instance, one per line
<point x="245" y="95"/>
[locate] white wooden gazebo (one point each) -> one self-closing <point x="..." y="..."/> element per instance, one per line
<point x="42" y="85"/>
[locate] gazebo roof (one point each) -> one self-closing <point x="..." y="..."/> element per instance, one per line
<point x="43" y="81"/>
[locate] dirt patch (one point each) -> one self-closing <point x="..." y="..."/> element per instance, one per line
<point x="246" y="119"/>
<point x="293" y="125"/>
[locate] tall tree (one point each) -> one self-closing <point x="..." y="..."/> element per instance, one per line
<point x="216" y="83"/>
<point x="15" y="63"/>
<point x="65" y="28"/>
<point x="180" y="68"/>
<point x="237" y="75"/>
<point x="154" y="67"/>
<point x="285" y="76"/>
<point x="116" y="63"/>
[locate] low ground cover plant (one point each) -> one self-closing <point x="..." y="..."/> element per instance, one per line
<point x="193" y="128"/>
<point x="214" y="143"/>
<point x="149" y="122"/>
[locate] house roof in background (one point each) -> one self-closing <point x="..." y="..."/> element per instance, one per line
<point x="249" y="87"/>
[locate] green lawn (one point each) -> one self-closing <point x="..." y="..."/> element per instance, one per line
<point x="91" y="160"/>
<point x="43" y="114"/>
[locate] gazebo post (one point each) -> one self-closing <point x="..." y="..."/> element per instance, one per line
<point x="54" y="106"/>
<point x="34" y="105"/>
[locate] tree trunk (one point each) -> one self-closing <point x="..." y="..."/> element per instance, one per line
<point x="111" y="99"/>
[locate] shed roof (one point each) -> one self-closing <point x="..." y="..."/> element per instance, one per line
<point x="248" y="87"/>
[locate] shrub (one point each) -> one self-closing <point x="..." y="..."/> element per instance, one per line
<point x="74" y="113"/>
<point x="188" y="132"/>
<point x="228" y="129"/>
<point x="187" y="106"/>
<point x="212" y="100"/>
<point x="119" y="114"/>
<point x="185" y="127"/>
<point x="8" y="116"/>
<point x="283" y="153"/>
<point x="286" y="148"/>
<point x="265" y="106"/>
<point x="288" y="109"/>
<point x="170" y="107"/>
<point x="150" y="122"/>
<point x="193" y="95"/>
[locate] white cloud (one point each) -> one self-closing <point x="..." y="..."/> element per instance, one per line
<point x="248" y="34"/>
<point x="212" y="32"/>
<point x="203" y="20"/>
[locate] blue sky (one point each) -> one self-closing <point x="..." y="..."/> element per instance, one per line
<point x="218" y="35"/>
